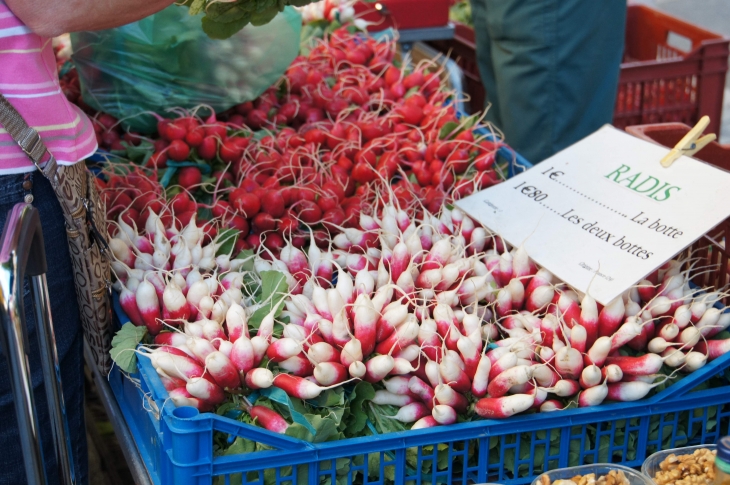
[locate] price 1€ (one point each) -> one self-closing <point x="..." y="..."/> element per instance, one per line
<point x="532" y="192"/>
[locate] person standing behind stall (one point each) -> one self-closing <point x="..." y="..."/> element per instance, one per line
<point x="29" y="81"/>
<point x="549" y="67"/>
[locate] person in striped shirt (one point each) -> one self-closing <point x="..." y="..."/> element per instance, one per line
<point x="29" y="81"/>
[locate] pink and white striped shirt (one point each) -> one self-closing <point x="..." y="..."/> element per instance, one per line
<point x="29" y="80"/>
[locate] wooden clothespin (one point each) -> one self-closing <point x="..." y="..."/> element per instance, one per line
<point x="691" y="143"/>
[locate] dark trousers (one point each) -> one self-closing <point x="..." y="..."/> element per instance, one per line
<point x="69" y="341"/>
<point x="550" y="68"/>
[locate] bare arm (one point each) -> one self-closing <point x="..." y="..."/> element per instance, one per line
<point x="50" y="18"/>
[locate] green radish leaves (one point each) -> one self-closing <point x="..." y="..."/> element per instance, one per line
<point x="227" y="239"/>
<point x="124" y="345"/>
<point x="355" y="417"/>
<point x="223" y="19"/>
<point x="273" y="291"/>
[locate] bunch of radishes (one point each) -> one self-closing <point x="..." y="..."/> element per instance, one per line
<point x="413" y="309"/>
<point x="549" y="340"/>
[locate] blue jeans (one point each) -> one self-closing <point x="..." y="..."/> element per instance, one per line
<point x="69" y="340"/>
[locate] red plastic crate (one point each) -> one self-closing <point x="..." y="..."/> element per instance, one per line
<point x="662" y="79"/>
<point x="659" y="81"/>
<point x="404" y="14"/>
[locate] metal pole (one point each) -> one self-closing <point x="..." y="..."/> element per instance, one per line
<point x="52" y="378"/>
<point x="14" y="341"/>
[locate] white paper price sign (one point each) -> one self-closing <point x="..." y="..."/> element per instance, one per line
<point x="605" y="210"/>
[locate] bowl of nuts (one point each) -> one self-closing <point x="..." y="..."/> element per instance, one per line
<point x="596" y="474"/>
<point x="693" y="465"/>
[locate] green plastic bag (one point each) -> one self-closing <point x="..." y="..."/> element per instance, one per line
<point x="167" y="61"/>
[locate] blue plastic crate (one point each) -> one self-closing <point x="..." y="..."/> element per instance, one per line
<point x="177" y="443"/>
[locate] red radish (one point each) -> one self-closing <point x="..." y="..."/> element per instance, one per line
<point x="351" y="352"/>
<point x="121" y="251"/>
<point x="298" y="387"/>
<point x="503" y="304"/>
<point x="200" y="348"/>
<point x="647" y="290"/>
<point x="722" y="324"/>
<point x="695" y="360"/>
<point x="598" y="352"/>
<point x="593" y="396"/>
<point x="589" y="319"/>
<point x="189" y="177"/>
<point x="503" y="407"/>
<point x="222" y="370"/>
<point x="412" y="412"/>
<point x="236" y="322"/>
<point x="403" y="336"/>
<point x="470" y="355"/>
<point x="569" y="310"/>
<point x="550" y="328"/>
<point x="578" y="338"/>
<point x="242" y="355"/>
<point x="357" y="369"/>
<point x="149" y="306"/>
<point x="444" y="394"/>
<point x="590" y="377"/>
<point x="268" y="419"/>
<point x="365" y="323"/>
<point x="205" y="390"/>
<point x="544" y="375"/>
<point x="172" y="383"/>
<point x="393" y="315"/>
<point x="708" y="320"/>
<point x="506" y="361"/>
<point x="425" y="422"/>
<point x="713" y="348"/>
<point x="630" y="391"/>
<point x="541" y="278"/>
<point x="611" y="373"/>
<point x="397" y="385"/>
<point x="629" y="330"/>
<point x="213" y="331"/>
<point x="388" y="398"/>
<point x="410" y="353"/>
<point x="565" y="388"/>
<point x="175" y="306"/>
<point x="551" y="405"/>
<point x="569" y="363"/>
<point x="323" y="352"/>
<point x="673" y="358"/>
<point x="297" y="365"/>
<point x="539" y="298"/>
<point x="658" y="345"/>
<point x="611" y="317"/>
<point x="283" y="349"/>
<point x="690" y="336"/>
<point x="378" y="367"/>
<point x="128" y="302"/>
<point x="443" y="414"/>
<point x="181" y="397"/>
<point x="514" y="376"/>
<point x="422" y="390"/>
<point x="668" y="332"/>
<point x="179" y="366"/>
<point x="259" y="378"/>
<point x="682" y="316"/>
<point x="453" y="375"/>
<point x="329" y="373"/>
<point x="266" y="328"/>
